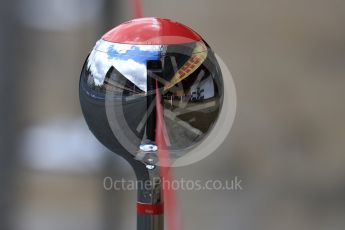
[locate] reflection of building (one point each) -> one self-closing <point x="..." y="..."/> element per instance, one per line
<point x="198" y="92"/>
<point x="203" y="90"/>
<point x="118" y="82"/>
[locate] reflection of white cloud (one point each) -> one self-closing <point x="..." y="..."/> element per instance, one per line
<point x="99" y="64"/>
<point x="104" y="46"/>
<point x="132" y="70"/>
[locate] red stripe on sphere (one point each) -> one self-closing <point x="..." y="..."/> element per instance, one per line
<point x="151" y="31"/>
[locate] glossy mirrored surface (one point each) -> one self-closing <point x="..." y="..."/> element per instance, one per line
<point x="190" y="83"/>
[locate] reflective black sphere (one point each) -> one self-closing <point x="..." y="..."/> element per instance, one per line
<point x="118" y="88"/>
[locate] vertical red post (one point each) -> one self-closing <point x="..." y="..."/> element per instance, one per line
<point x="170" y="202"/>
<point x="137" y="8"/>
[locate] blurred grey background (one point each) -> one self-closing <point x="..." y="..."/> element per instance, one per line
<point x="287" y="144"/>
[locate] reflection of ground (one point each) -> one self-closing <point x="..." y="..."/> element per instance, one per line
<point x="188" y="123"/>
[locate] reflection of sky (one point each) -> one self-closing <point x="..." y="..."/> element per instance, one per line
<point x="135" y="53"/>
<point x="129" y="60"/>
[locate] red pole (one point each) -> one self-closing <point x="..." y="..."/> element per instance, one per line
<point x="170" y="202"/>
<point x="137" y="8"/>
